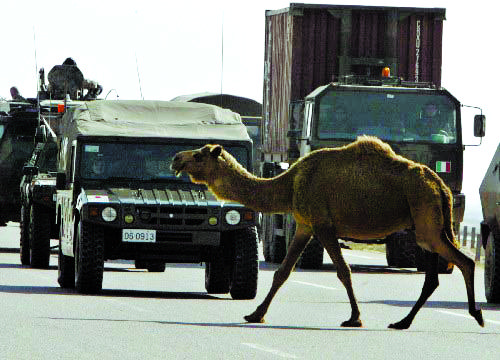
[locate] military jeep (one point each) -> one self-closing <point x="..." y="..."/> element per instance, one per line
<point x="118" y="199"/>
<point x="489" y="192"/>
<point x="38" y="220"/>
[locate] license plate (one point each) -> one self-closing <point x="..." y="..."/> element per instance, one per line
<point x="138" y="235"/>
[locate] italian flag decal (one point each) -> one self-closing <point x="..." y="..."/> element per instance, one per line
<point x="443" y="166"/>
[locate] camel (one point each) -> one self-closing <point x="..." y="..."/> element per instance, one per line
<point x="363" y="190"/>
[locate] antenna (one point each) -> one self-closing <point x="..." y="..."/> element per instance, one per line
<point x="138" y="76"/>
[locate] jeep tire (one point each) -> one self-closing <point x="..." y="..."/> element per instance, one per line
<point x="245" y="263"/>
<point x="65" y="270"/>
<point x="89" y="258"/>
<point x="39" y="236"/>
<point x="492" y="269"/>
<point x="24" y="241"/>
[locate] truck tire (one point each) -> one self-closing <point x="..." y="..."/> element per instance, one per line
<point x="39" y="235"/>
<point x="218" y="272"/>
<point x="89" y="258"/>
<point x="266" y="244"/>
<point x="274" y="245"/>
<point x="312" y="257"/>
<point x="65" y="270"/>
<point x="24" y="240"/>
<point x="492" y="269"/>
<point x="245" y="264"/>
<point x="444" y="267"/>
<point x="400" y="249"/>
<point x="150" y="266"/>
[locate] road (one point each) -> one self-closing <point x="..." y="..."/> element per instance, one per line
<point x="142" y="315"/>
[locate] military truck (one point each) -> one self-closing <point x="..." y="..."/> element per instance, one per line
<point x="18" y="124"/>
<point x="489" y="192"/>
<point x="118" y="199"/>
<point x="335" y="72"/>
<point x="38" y="221"/>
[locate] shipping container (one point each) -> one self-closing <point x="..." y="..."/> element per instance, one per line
<point x="308" y="45"/>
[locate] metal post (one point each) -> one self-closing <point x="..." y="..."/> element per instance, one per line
<point x="472" y="238"/>
<point x="479" y="245"/>
<point x="464" y="240"/>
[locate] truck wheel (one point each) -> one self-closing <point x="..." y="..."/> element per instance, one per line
<point x="444" y="267"/>
<point x="39" y="229"/>
<point x="218" y="272"/>
<point x="89" y="258"/>
<point x="245" y="265"/>
<point x="400" y="249"/>
<point x="266" y="244"/>
<point x="65" y="270"/>
<point x="312" y="257"/>
<point x="24" y="240"/>
<point x="492" y="269"/>
<point x="155" y="266"/>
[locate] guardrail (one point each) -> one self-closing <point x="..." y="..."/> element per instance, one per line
<point x="471" y="241"/>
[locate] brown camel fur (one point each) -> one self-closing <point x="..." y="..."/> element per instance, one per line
<point x="362" y="190"/>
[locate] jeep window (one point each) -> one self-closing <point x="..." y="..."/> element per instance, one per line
<point x="47" y="159"/>
<point x="134" y="161"/>
<point x="394" y="116"/>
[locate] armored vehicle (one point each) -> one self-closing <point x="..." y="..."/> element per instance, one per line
<point x="489" y="192"/>
<point x="18" y="123"/>
<point x="118" y="199"/>
<point x="37" y="188"/>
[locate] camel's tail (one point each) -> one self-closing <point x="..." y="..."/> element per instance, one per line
<point x="447" y="208"/>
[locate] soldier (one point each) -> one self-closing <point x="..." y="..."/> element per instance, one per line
<point x="14" y="92"/>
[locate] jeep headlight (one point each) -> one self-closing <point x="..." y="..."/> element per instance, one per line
<point x="108" y="214"/>
<point x="233" y="217"/>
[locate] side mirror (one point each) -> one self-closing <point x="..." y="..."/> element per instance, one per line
<point x="60" y="181"/>
<point x="479" y="125"/>
<point x="30" y="170"/>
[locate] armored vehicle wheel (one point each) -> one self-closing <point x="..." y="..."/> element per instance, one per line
<point x="492" y="269"/>
<point x="400" y="249"/>
<point x="312" y="257"/>
<point x="444" y="267"/>
<point x="39" y="235"/>
<point x="24" y="241"/>
<point x="218" y="273"/>
<point x="245" y="264"/>
<point x="89" y="258"/>
<point x="65" y="270"/>
<point x="151" y="266"/>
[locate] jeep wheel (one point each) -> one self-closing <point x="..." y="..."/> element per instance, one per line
<point x="312" y="257"/>
<point x="400" y="249"/>
<point x="89" y="258"/>
<point x="245" y="265"/>
<point x="65" y="270"/>
<point x="492" y="269"/>
<point x="39" y="235"/>
<point x="218" y="272"/>
<point x="444" y="267"/>
<point x="24" y="240"/>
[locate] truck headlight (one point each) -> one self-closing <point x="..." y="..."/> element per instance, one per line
<point x="233" y="217"/>
<point x="108" y="214"/>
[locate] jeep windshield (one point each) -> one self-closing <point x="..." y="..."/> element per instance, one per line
<point x="391" y="116"/>
<point x="133" y="161"/>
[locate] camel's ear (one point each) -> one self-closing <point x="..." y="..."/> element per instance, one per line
<point x="216" y="151"/>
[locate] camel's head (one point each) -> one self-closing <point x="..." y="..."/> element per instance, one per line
<point x="199" y="164"/>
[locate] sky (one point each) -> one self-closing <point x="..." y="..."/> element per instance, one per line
<point x="157" y="50"/>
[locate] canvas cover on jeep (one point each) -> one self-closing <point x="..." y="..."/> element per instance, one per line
<point x="170" y="119"/>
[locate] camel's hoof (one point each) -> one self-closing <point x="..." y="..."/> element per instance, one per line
<point x="253" y="318"/>
<point x="478" y="315"/>
<point x="400" y="325"/>
<point x="352" y="323"/>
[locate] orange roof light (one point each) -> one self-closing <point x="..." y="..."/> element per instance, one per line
<point x="60" y="108"/>
<point x="386" y="72"/>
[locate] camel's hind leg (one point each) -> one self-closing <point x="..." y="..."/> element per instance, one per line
<point x="299" y="242"/>
<point x="331" y="244"/>
<point x="467" y="266"/>
<point x="430" y="284"/>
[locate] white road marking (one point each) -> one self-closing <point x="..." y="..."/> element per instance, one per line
<point x="346" y="253"/>
<point x="315" y="285"/>
<point x="466" y="316"/>
<point x="270" y="350"/>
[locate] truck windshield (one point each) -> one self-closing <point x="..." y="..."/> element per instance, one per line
<point x="402" y="117"/>
<point x="138" y="161"/>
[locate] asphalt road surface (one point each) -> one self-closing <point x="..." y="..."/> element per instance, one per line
<point x="142" y="315"/>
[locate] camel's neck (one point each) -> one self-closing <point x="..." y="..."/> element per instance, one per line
<point x="259" y="194"/>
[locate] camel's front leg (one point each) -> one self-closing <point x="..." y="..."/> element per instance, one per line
<point x="299" y="242"/>
<point x="330" y="242"/>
